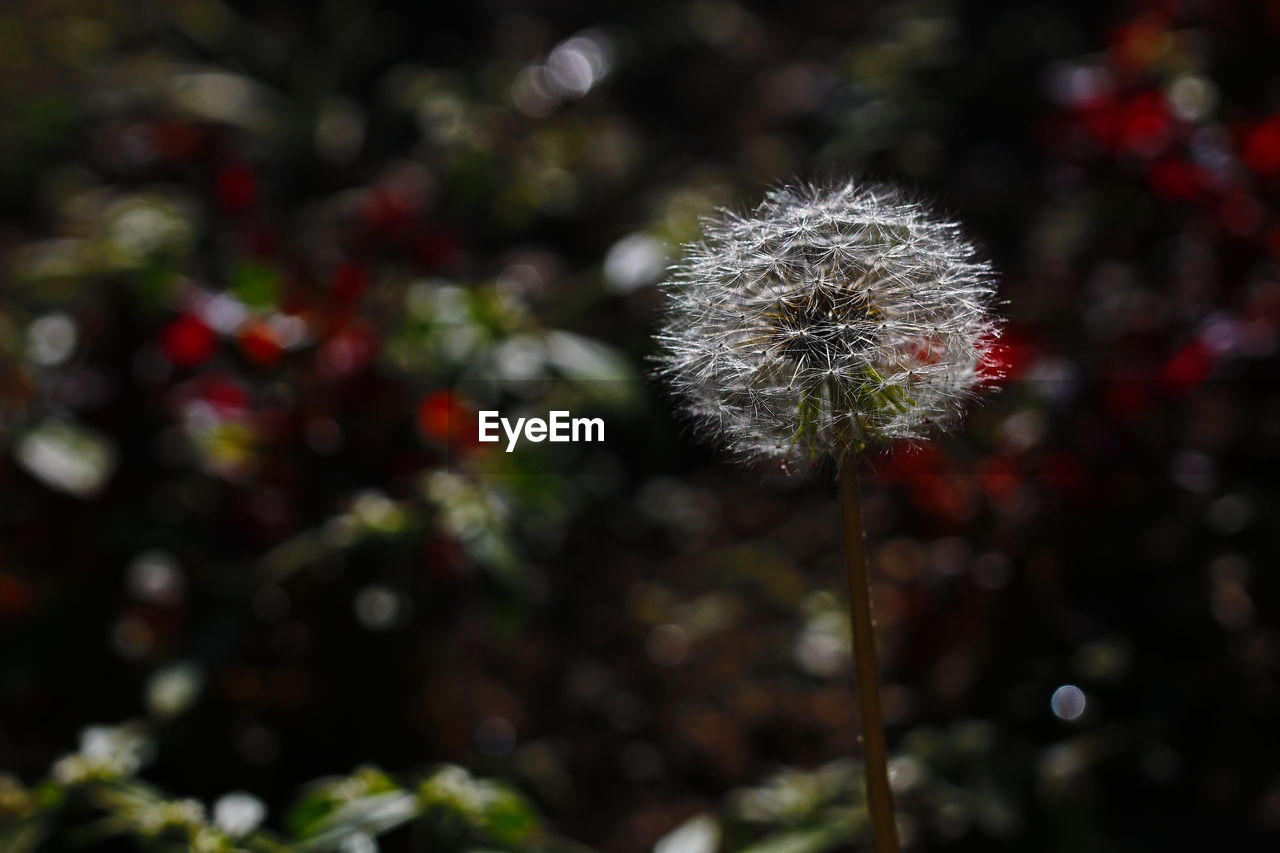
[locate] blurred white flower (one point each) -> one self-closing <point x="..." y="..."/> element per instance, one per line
<point x="238" y="814"/>
<point x="358" y="843"/>
<point x="171" y="690"/>
<point x="106" y="752"/>
<point x="698" y="834"/>
<point x="68" y="457"/>
<point x="51" y="339"/>
<point x="633" y="262"/>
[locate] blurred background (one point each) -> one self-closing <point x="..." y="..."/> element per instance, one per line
<point x="257" y="592"/>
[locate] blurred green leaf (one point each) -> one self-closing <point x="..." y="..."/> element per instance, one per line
<point x="22" y="835"/>
<point x="835" y="833"/>
<point x="371" y="815"/>
<point x="485" y="806"/>
<point x="256" y="285"/>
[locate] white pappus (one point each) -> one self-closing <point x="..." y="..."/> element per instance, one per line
<point x="825" y="320"/>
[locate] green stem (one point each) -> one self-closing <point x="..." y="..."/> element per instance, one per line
<point x="875" y="756"/>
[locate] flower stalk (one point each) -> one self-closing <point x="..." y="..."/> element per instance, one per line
<point x="875" y="755"/>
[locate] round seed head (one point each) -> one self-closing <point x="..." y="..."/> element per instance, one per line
<point x="827" y="320"/>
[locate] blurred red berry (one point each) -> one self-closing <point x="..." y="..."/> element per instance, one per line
<point x="1188" y="368"/>
<point x="188" y="342"/>
<point x="1176" y="179"/>
<point x="1260" y="148"/>
<point x="1140" y="124"/>
<point x="1102" y="119"/>
<point x="236" y="188"/>
<point x="1000" y="479"/>
<point x="1240" y="214"/>
<point x="949" y="497"/>
<point x="387" y="211"/>
<point x="349" y="282"/>
<point x="436" y="249"/>
<point x="348" y="350"/>
<point x="176" y="142"/>
<point x="223" y="393"/>
<point x="903" y="462"/>
<point x="259" y="343"/>
<point x="1148" y="124"/>
<point x="445" y="417"/>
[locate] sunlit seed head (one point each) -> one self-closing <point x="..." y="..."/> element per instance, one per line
<point x="825" y="320"/>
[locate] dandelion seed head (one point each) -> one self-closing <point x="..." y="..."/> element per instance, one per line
<point x="826" y="320"/>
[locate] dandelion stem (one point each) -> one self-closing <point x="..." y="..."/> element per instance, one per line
<point x="867" y="681"/>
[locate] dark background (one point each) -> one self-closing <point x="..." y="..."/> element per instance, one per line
<point x="282" y="233"/>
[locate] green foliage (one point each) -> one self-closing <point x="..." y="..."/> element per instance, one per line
<point x="452" y="809"/>
<point x="945" y="780"/>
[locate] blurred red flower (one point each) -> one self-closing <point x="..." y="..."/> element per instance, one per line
<point x="188" y="342"/>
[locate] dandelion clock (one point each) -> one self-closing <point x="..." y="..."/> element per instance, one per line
<point x="827" y="321"/>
